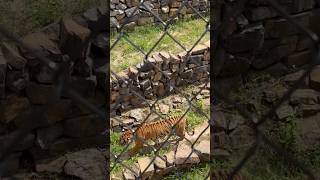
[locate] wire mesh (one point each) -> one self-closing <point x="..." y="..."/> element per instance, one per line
<point x="219" y="23"/>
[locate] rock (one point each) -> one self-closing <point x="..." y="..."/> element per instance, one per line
<point x="304" y="96"/>
<point x="3" y="73"/>
<point x="308" y="132"/>
<point x="39" y="94"/>
<point x="127" y="174"/>
<point x="242" y="138"/>
<point x="84" y="126"/>
<point x="143" y="165"/>
<point x="308" y="110"/>
<point x="169" y="158"/>
<point x="48" y="135"/>
<point x="284" y="111"/>
<point x="148" y="6"/>
<point x="65" y="144"/>
<point x="10" y="165"/>
<point x="220" y="121"/>
<point x="138" y="114"/>
<point x="16" y="81"/>
<point x="165" y="9"/>
<point x="99" y="47"/>
<point x="315" y="78"/>
<point x="260" y="13"/>
<point x="86" y="164"/>
<point x="74" y="39"/>
<point x="131" y="3"/>
<point x="23" y="143"/>
<point x="252" y="37"/>
<point x="183" y="152"/>
<point x="281" y="27"/>
<point x="51" y="165"/>
<point x="12" y="56"/>
<point x="277" y="70"/>
<point x="114" y="22"/>
<point x="96" y="19"/>
<point x="130" y="12"/>
<point x="44" y="75"/>
<point x="42" y="44"/>
<point x="13" y="107"/>
<point x="58" y="111"/>
<point x="204" y="150"/>
<point x="220" y="153"/>
<point x="300" y="58"/>
<point x="160" y="163"/>
<point x="293" y="77"/>
<point x="272" y="56"/>
<point x="199" y="49"/>
<point x="164" y="109"/>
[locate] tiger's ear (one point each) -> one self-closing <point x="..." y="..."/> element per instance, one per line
<point x="123" y="130"/>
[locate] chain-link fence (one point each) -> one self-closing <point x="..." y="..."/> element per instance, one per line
<point x="224" y="13"/>
<point x="36" y="116"/>
<point x="170" y="82"/>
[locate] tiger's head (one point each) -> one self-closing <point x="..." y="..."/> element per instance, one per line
<point x="126" y="136"/>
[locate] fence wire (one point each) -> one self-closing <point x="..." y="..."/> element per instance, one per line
<point x="117" y="158"/>
<point x="219" y="23"/>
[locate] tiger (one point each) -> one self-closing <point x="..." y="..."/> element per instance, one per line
<point x="154" y="131"/>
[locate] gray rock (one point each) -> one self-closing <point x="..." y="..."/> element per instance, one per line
<point x="51" y="165"/>
<point x="305" y="96"/>
<point x="10" y="165"/>
<point x="182" y="154"/>
<point x="242" y="138"/>
<point x="23" y="144"/>
<point x="308" y="110"/>
<point x="86" y="164"/>
<point x="48" y="135"/>
<point x="293" y="77"/>
<point x="308" y="132"/>
<point x="315" y="78"/>
<point x="284" y="111"/>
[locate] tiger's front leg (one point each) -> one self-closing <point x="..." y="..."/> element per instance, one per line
<point x="136" y="148"/>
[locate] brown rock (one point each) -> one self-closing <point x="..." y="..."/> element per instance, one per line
<point x="300" y="58"/>
<point x="14" y="106"/>
<point x="43" y="45"/>
<point x="74" y="39"/>
<point x="38" y="93"/>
